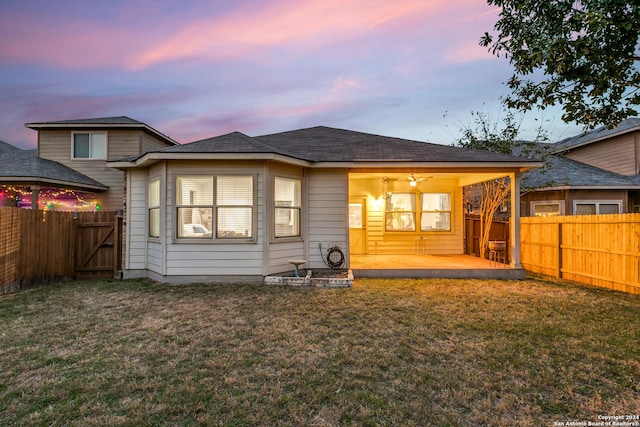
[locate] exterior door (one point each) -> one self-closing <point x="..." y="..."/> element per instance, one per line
<point x="357" y="227"/>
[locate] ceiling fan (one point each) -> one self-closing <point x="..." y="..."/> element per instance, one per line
<point x="413" y="180"/>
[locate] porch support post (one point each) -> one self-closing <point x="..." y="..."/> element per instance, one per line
<point x="35" y="193"/>
<point x="514" y="224"/>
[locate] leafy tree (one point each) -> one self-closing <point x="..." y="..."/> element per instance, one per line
<point x="582" y="54"/>
<point x="501" y="136"/>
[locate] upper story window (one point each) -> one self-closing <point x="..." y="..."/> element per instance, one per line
<point x="288" y="202"/>
<point x="89" y="145"/>
<point x="230" y="213"/>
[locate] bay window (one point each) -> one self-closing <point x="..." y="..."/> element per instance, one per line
<point x="153" y="204"/>
<point x="287" y="195"/>
<point x="233" y="207"/>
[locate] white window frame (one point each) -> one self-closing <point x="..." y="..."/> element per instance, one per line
<point x="152" y="208"/>
<point x="285" y="213"/>
<point x="103" y="156"/>
<point x="213" y="208"/>
<point x="449" y="212"/>
<point x="597" y="203"/>
<point x="560" y="204"/>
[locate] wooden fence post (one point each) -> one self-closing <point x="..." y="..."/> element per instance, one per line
<point x="559" y="249"/>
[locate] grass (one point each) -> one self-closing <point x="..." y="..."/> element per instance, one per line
<point x="386" y="352"/>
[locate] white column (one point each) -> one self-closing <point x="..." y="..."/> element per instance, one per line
<point x="514" y="223"/>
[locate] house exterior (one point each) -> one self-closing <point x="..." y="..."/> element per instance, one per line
<point x="235" y="207"/>
<point x="593" y="173"/>
<point x="84" y="146"/>
<point x="27" y="181"/>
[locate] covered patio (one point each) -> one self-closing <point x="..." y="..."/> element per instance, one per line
<point x="431" y="266"/>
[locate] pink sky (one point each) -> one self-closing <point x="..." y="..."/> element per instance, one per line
<point x="195" y="69"/>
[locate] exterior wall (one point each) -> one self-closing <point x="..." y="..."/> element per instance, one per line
<point x="55" y="144"/>
<point x="569" y="196"/>
<point x="279" y="251"/>
<point x="328" y="213"/>
<point x="210" y="258"/>
<point x="618" y="154"/>
<point x="380" y="241"/>
<point x="136" y="221"/>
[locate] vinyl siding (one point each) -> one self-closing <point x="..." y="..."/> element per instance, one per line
<point x="380" y="241"/>
<point x="56" y="145"/>
<point x="617" y="154"/>
<point x="136" y="250"/>
<point x="328" y="213"/>
<point x="151" y="143"/>
<point x="215" y="257"/>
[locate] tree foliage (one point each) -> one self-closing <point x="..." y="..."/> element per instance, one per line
<point x="498" y="136"/>
<point x="582" y="54"/>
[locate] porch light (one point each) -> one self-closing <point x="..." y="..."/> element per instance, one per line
<point x="412" y="183"/>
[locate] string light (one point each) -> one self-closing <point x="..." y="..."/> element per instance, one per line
<point x="50" y="198"/>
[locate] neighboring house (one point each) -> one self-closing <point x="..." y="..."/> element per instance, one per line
<point x="31" y="182"/>
<point x="85" y="146"/>
<point x="236" y="207"/>
<point x="593" y="173"/>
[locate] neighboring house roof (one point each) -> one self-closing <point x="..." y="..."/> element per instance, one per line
<point x="23" y="167"/>
<point x="562" y="173"/>
<point x="119" y="122"/>
<point x="329" y="145"/>
<point x="628" y="125"/>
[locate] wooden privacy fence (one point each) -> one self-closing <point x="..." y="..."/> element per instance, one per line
<point x="499" y="231"/>
<point x="40" y="247"/>
<point x="600" y="250"/>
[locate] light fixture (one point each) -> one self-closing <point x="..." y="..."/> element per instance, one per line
<point x="413" y="183"/>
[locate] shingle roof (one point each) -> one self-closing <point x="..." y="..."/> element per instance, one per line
<point x="7" y="149"/>
<point x="119" y="120"/>
<point x="108" y="122"/>
<point x="567" y="172"/>
<point x="18" y="166"/>
<point x="325" y="144"/>
<point x="627" y="125"/>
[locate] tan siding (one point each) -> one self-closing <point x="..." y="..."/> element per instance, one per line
<point x="380" y="241"/>
<point x="151" y="143"/>
<point x="215" y="258"/>
<point x="616" y="154"/>
<point x="136" y="250"/>
<point x="327" y="220"/>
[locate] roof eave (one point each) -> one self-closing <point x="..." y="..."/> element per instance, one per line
<point x="47" y="182"/>
<point x="149" y="159"/>
<point x="149" y="129"/>
<point x="587" y="187"/>
<point x="598" y="139"/>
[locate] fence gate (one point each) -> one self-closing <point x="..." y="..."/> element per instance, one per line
<point x="98" y="245"/>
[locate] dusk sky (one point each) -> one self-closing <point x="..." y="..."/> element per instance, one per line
<point x="196" y="69"/>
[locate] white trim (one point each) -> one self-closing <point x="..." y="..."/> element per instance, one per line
<point x="90" y="132"/>
<point x="532" y="206"/>
<point x="597" y="203"/>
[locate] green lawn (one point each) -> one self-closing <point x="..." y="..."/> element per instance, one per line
<point x="386" y="352"/>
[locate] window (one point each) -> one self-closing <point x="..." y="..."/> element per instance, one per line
<point x="233" y="207"/>
<point x="287" y="195"/>
<point x="436" y="212"/>
<point x="400" y="212"/>
<point x="547" y="208"/>
<point x="593" y="207"/>
<point x="154" y="208"/>
<point x="194" y="199"/>
<point x="89" y="145"/>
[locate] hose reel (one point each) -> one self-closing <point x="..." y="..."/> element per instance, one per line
<point x="335" y="257"/>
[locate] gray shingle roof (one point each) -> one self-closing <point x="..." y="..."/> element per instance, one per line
<point x="325" y="144"/>
<point x="17" y="166"/>
<point x="119" y="120"/>
<point x="627" y="125"/>
<point x="567" y="172"/>
<point x="106" y="122"/>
